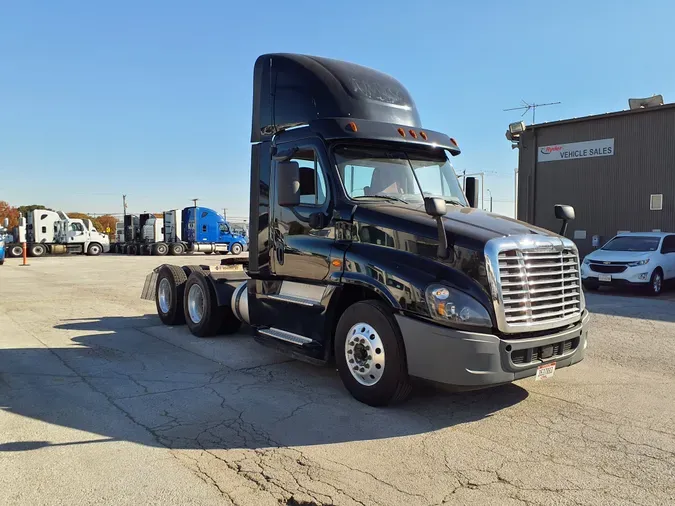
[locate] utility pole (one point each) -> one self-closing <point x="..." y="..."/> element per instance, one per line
<point x="124" y="205"/>
<point x="225" y="212"/>
<point x="515" y="193"/>
<point x="490" y="193"/>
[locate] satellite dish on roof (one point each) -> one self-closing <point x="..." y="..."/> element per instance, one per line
<point x="643" y="103"/>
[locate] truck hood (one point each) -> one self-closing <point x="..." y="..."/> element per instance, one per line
<point x="459" y="222"/>
<point x="618" y="256"/>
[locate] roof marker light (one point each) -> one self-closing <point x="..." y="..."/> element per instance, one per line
<point x="454" y="141"/>
<point x="401" y="132"/>
<point x="413" y="134"/>
<point x="352" y="126"/>
<point x="423" y="135"/>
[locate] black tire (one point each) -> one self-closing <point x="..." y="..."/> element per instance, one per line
<point x="236" y="248"/>
<point x="161" y="249"/>
<point x="37" y="250"/>
<point x="590" y="286"/>
<point x="94" y="249"/>
<point x="211" y="317"/>
<point x="176" y="249"/>
<point x="656" y="282"/>
<point x="2" y="262"/>
<point x="208" y="252"/>
<point x="394" y="385"/>
<point x="15" y="251"/>
<point x="176" y="278"/>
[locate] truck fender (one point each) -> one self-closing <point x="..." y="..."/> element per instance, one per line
<point x="359" y="279"/>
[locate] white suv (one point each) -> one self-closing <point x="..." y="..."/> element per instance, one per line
<point x="643" y="259"/>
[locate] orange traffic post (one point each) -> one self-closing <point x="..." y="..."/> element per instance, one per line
<point x="25" y="254"/>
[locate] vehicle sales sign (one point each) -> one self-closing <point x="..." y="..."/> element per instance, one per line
<point x="588" y="149"/>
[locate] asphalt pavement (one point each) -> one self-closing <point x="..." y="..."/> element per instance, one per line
<point x="101" y="404"/>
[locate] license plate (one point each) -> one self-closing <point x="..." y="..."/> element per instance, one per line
<point x="545" y="371"/>
<point x="605" y="278"/>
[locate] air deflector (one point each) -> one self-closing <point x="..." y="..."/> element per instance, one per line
<point x="293" y="89"/>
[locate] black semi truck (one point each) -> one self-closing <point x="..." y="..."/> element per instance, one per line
<point x="365" y="251"/>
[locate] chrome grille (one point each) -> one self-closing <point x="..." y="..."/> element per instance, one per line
<point x="539" y="287"/>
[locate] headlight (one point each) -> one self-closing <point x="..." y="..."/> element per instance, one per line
<point x="451" y="306"/>
<point x="639" y="262"/>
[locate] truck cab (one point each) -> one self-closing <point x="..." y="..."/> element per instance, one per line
<point x="365" y="251"/>
<point x="209" y="232"/>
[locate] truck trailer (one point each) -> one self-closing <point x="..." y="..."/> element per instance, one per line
<point x="48" y="232"/>
<point x="366" y="252"/>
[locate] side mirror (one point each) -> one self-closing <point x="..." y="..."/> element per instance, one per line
<point x="288" y="184"/>
<point x="471" y="189"/>
<point x="436" y="207"/>
<point x="564" y="213"/>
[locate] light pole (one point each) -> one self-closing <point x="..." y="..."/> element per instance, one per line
<point x="490" y="194"/>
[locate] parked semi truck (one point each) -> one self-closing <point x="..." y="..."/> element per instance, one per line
<point x="48" y="232"/>
<point x="180" y="231"/>
<point x="365" y="251"/>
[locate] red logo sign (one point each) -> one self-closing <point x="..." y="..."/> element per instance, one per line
<point x="550" y="149"/>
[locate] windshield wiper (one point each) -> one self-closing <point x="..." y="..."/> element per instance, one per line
<point x="388" y="197"/>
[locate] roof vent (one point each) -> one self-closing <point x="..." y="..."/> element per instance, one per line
<point x="643" y="103"/>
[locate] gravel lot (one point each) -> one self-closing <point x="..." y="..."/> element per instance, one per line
<point x="100" y="404"/>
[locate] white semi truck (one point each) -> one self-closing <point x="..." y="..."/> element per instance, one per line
<point x="54" y="232"/>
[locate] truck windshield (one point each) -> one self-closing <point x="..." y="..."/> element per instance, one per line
<point x="371" y="172"/>
<point x="633" y="243"/>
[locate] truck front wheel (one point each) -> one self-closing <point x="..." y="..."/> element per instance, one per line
<point x="202" y="314"/>
<point x="370" y="355"/>
<point x="236" y="249"/>
<point x="94" y="249"/>
<point x="169" y="294"/>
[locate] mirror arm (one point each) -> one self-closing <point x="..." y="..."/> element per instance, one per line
<point x="563" y="228"/>
<point x="442" y="238"/>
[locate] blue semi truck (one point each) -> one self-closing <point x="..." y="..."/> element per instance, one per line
<point x="180" y="231"/>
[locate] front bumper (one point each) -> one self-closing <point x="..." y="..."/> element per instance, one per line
<point x="638" y="275"/>
<point x="467" y="359"/>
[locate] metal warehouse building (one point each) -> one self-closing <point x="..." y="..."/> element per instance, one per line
<point x="616" y="169"/>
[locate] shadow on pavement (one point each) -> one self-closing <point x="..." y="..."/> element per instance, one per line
<point x="122" y="383"/>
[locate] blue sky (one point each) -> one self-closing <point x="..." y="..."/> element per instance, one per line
<point x="153" y="98"/>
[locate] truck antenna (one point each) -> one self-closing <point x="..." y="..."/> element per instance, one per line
<point x="527" y="107"/>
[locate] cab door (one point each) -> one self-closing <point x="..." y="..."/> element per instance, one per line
<point x="302" y="238"/>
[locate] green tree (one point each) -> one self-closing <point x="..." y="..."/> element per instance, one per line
<point x="24" y="210"/>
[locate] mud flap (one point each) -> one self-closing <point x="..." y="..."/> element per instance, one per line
<point x="150" y="285"/>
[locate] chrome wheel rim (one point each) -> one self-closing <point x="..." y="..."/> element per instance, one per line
<point x="94" y="249"/>
<point x="364" y="352"/>
<point x="236" y="249"/>
<point x="657" y="283"/>
<point x="196" y="303"/>
<point x="164" y="295"/>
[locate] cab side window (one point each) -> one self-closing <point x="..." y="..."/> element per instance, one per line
<point x="312" y="178"/>
<point x="224" y="229"/>
<point x="76" y="227"/>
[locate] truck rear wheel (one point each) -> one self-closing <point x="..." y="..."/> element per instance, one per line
<point x="202" y="314"/>
<point x="37" y="250"/>
<point x="370" y="354"/>
<point x="236" y="249"/>
<point x="94" y="250"/>
<point x="169" y="294"/>
<point x="176" y="249"/>
<point x="161" y="249"/>
<point x="16" y="251"/>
